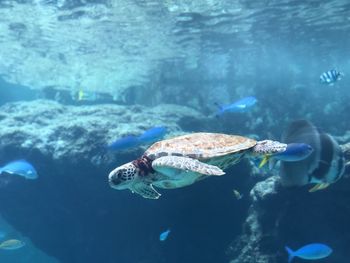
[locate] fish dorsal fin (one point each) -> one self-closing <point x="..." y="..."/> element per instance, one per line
<point x="292" y="133"/>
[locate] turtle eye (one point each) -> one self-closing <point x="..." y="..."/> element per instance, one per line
<point x="114" y="180"/>
<point x="116" y="177"/>
<point x="120" y="177"/>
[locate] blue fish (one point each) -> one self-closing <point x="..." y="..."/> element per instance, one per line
<point x="153" y="134"/>
<point x="241" y="105"/>
<point x="124" y="143"/>
<point x="294" y="152"/>
<point x="331" y="76"/>
<point x="164" y="235"/>
<point x="21" y="168"/>
<point x="310" y="252"/>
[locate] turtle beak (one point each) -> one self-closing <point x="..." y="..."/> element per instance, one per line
<point x="114" y="178"/>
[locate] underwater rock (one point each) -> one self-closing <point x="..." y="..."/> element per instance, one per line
<point x="264" y="190"/>
<point x="292" y="216"/>
<point x="74" y="134"/>
<point x="344" y="138"/>
<point x="70" y="212"/>
<point x="248" y="248"/>
<point x="346" y="150"/>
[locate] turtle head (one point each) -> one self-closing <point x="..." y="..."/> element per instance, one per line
<point x="121" y="176"/>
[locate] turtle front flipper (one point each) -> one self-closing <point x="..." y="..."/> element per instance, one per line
<point x="145" y="190"/>
<point x="170" y="165"/>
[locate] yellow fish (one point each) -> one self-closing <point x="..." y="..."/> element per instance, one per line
<point x="11" y="244"/>
<point x="87" y="96"/>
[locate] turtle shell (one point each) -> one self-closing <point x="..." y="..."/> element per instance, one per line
<point x="201" y="146"/>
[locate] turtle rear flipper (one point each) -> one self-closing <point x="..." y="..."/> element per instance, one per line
<point x="145" y="190"/>
<point x="170" y="165"/>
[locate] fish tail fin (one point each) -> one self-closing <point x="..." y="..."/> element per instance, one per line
<point x="139" y="139"/>
<point x="264" y="160"/>
<point x="218" y="105"/>
<point x="221" y="109"/>
<point x="290" y="254"/>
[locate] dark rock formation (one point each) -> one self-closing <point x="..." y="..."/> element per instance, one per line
<point x="280" y="217"/>
<point x="248" y="248"/>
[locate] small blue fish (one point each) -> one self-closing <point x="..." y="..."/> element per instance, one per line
<point x="21" y="168"/>
<point x="153" y="134"/>
<point x="331" y="76"/>
<point x="294" y="152"/>
<point x="124" y="143"/>
<point x="164" y="235"/>
<point x="240" y="106"/>
<point x="310" y="252"/>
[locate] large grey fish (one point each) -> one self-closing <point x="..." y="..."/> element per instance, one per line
<point x="325" y="165"/>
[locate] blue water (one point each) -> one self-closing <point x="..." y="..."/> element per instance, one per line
<point x="141" y="55"/>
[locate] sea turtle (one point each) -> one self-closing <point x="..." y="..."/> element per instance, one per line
<point x="186" y="159"/>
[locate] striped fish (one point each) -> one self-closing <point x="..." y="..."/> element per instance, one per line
<point x="324" y="166"/>
<point x="331" y="76"/>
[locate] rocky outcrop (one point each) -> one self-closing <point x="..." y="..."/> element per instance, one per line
<point x="346" y="150"/>
<point x="294" y="217"/>
<point x="81" y="134"/>
<point x="70" y="212"/>
<point x="248" y="248"/>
